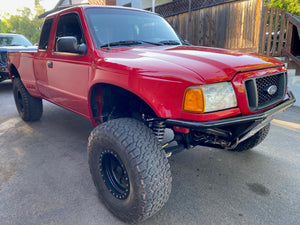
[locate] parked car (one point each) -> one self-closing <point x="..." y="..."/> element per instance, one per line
<point x="128" y="72"/>
<point x="12" y="42"/>
<point x="274" y="39"/>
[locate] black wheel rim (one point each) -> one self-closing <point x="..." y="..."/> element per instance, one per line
<point x="20" y="101"/>
<point x="114" y="174"/>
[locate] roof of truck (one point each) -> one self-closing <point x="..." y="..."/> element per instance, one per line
<point x="61" y="9"/>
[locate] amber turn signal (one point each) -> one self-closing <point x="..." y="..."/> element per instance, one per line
<point x="193" y="100"/>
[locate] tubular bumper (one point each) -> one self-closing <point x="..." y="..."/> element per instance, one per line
<point x="257" y="121"/>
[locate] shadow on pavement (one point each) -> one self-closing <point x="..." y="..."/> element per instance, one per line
<point x="5" y="86"/>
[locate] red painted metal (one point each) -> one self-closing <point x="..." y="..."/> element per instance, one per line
<point x="159" y="75"/>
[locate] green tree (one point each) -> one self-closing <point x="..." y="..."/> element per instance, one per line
<point x="291" y="6"/>
<point x="24" y="22"/>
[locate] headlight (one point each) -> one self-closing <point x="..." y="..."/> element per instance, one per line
<point x="209" y="98"/>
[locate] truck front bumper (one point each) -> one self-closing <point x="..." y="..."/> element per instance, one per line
<point x="224" y="128"/>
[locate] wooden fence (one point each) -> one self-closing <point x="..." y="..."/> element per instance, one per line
<point x="274" y="32"/>
<point x="292" y="47"/>
<point x="234" y="25"/>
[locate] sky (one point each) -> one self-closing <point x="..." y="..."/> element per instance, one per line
<point x="10" y="6"/>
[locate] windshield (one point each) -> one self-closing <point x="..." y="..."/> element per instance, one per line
<point x="120" y="27"/>
<point x="14" y="40"/>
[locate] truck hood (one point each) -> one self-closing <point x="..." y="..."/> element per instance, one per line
<point x="208" y="63"/>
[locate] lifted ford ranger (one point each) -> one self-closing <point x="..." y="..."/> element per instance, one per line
<point x="129" y="73"/>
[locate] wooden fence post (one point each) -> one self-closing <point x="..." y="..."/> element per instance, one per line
<point x="282" y="32"/>
<point x="190" y="20"/>
<point x="259" y="15"/>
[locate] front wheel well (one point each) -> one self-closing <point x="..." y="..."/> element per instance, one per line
<point x="111" y="102"/>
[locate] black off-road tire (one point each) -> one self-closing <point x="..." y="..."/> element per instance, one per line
<point x="130" y="171"/>
<point x="29" y="107"/>
<point x="253" y="141"/>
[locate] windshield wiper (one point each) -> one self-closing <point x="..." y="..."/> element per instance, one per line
<point x="152" y="43"/>
<point x="169" y="42"/>
<point x="139" y="42"/>
<point x="121" y="43"/>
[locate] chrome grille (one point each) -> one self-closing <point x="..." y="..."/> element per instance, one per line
<point x="258" y="91"/>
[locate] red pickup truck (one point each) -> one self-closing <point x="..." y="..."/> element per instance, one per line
<point x="133" y="77"/>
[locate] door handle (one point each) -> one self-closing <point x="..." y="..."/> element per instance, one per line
<point x="50" y="64"/>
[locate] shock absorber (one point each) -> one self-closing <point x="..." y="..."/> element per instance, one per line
<point x="158" y="128"/>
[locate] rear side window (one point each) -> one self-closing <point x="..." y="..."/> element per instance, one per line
<point x="44" y="40"/>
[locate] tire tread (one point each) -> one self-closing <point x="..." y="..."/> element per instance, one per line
<point x="253" y="141"/>
<point x="33" y="107"/>
<point x="145" y="157"/>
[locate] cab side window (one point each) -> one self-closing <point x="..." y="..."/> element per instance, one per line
<point x="69" y="25"/>
<point x="45" y="34"/>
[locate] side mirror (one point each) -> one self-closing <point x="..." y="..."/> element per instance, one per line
<point x="69" y="44"/>
<point x="82" y="49"/>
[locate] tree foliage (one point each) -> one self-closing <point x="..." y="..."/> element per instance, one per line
<point x="291" y="6"/>
<point x="24" y="22"/>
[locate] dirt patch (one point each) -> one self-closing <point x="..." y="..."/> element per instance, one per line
<point x="6" y="172"/>
<point x="258" y="189"/>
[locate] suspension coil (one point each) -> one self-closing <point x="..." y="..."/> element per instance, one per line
<point x="158" y="128"/>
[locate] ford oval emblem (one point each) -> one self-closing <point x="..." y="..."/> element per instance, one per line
<point x="271" y="90"/>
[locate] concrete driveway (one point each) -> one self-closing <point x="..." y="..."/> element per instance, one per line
<point x="45" y="179"/>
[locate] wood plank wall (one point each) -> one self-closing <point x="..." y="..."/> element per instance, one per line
<point x="272" y="41"/>
<point x="234" y="25"/>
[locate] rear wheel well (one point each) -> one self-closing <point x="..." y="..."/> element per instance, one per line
<point x="111" y="102"/>
<point x="14" y="71"/>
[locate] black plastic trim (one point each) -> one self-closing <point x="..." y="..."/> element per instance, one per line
<point x="253" y="95"/>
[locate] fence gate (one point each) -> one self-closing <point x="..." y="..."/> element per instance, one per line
<point x="273" y="32"/>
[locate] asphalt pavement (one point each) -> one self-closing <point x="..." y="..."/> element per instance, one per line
<point x="45" y="179"/>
